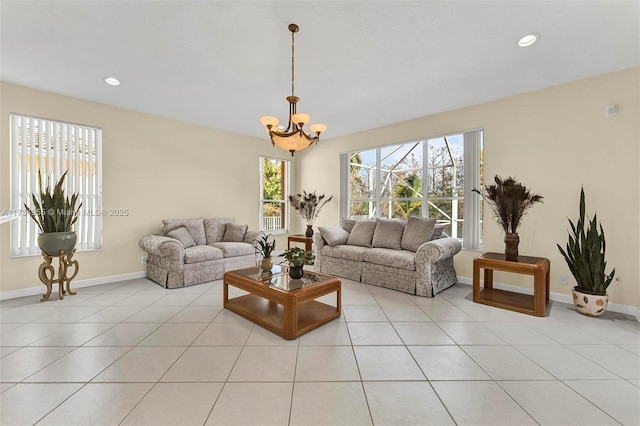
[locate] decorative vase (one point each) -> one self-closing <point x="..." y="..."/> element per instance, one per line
<point x="296" y="272"/>
<point x="266" y="264"/>
<point x="53" y="242"/>
<point x="511" y="241"/>
<point x="588" y="303"/>
<point x="309" y="232"/>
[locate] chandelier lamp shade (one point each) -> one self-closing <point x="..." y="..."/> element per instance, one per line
<point x="294" y="137"/>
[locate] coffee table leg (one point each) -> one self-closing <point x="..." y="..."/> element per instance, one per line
<point x="290" y="320"/>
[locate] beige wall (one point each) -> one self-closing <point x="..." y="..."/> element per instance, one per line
<point x="553" y="140"/>
<point x="155" y="167"/>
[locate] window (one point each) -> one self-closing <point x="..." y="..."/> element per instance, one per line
<point x="53" y="147"/>
<point x="274" y="195"/>
<point x="428" y="178"/>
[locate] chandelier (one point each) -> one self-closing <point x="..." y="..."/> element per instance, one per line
<point x="294" y="137"/>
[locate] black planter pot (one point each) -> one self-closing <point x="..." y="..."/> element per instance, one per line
<point x="296" y="272"/>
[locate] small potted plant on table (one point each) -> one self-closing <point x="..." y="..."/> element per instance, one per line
<point x="264" y="248"/>
<point x="309" y="204"/>
<point x="297" y="257"/>
<point x="509" y="200"/>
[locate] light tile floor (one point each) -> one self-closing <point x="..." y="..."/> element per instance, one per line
<point x="135" y="353"/>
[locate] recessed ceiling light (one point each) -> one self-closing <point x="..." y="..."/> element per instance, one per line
<point x="112" y="81"/>
<point x="528" y="40"/>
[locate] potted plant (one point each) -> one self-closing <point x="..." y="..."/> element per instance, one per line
<point x="264" y="248"/>
<point x="297" y="257"/>
<point x="309" y="204"/>
<point x="509" y="200"/>
<point x="55" y="215"/>
<point x="584" y="254"/>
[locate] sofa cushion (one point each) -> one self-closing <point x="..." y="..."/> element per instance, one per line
<point x="234" y="233"/>
<point x="214" y="228"/>
<point x="194" y="226"/>
<point x="388" y="234"/>
<point x="362" y="233"/>
<point x="417" y="231"/>
<point x="181" y="234"/>
<point x="201" y="254"/>
<point x="234" y="249"/>
<point x="402" y="259"/>
<point x="438" y="230"/>
<point x="345" y="252"/>
<point x="333" y="235"/>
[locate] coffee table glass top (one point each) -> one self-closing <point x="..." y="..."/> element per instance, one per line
<point x="279" y="278"/>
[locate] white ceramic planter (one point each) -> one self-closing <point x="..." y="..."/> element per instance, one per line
<point x="590" y="304"/>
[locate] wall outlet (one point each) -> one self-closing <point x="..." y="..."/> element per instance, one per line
<point x="143" y="259"/>
<point x="564" y="280"/>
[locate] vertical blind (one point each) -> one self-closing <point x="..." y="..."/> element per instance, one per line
<point x="53" y="147"/>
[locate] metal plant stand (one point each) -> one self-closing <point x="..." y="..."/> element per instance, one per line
<point x="47" y="272"/>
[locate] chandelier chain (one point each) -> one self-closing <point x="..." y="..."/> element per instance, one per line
<point x="292" y="62"/>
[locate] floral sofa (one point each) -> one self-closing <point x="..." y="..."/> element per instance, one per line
<point x="406" y="255"/>
<point x="193" y="251"/>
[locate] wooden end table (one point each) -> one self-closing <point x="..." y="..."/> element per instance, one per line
<point x="281" y="304"/>
<point x="300" y="238"/>
<point x="524" y="303"/>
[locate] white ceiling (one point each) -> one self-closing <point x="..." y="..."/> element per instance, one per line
<point x="359" y="64"/>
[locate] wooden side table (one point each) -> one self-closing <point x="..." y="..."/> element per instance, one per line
<point x="524" y="303"/>
<point x="308" y="241"/>
<point x="47" y="273"/>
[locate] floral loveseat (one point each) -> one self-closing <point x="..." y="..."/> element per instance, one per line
<point x="409" y="256"/>
<point x="193" y="251"/>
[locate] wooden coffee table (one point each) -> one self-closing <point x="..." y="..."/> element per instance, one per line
<point x="281" y="304"/>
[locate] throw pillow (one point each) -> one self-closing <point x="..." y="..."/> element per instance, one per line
<point x="362" y="233"/>
<point x="348" y="224"/>
<point x="438" y="230"/>
<point x="194" y="226"/>
<point x="182" y="234"/>
<point x="388" y="234"/>
<point x="214" y="228"/>
<point x="234" y="233"/>
<point x="417" y="232"/>
<point x="333" y="235"/>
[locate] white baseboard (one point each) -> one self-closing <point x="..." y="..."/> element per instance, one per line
<point x="12" y="294"/>
<point x="557" y="297"/>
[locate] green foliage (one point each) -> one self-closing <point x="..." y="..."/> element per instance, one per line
<point x="408" y="187"/>
<point x="264" y="247"/>
<point x="509" y="200"/>
<point x="585" y="253"/>
<point x="297" y="256"/>
<point x="272" y="178"/>
<point x="308" y="204"/>
<point x="54" y="212"/>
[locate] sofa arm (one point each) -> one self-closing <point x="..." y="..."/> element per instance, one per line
<point x="162" y="246"/>
<point x="435" y="250"/>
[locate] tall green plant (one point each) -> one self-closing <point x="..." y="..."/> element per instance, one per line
<point x="54" y="212"/>
<point x="585" y="253"/>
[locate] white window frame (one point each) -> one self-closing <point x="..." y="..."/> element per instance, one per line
<point x="54" y="148"/>
<point x="284" y="226"/>
<point x="472" y="146"/>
